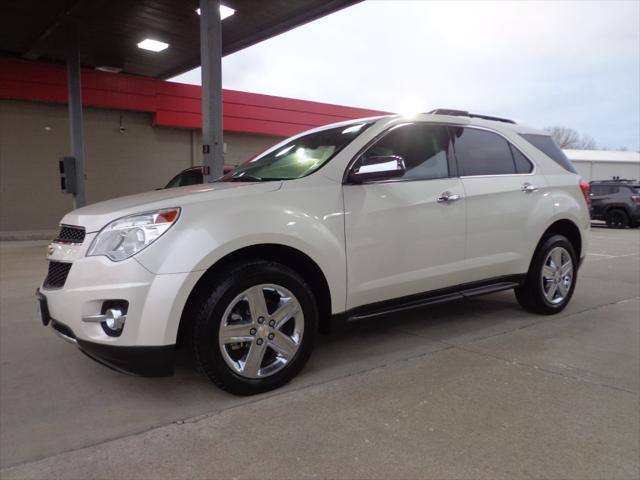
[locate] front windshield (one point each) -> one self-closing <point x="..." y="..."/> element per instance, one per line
<point x="298" y="157"/>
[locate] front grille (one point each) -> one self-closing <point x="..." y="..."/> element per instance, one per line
<point x="70" y="234"/>
<point x="57" y="275"/>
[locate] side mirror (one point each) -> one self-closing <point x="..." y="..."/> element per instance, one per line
<point x="377" y="168"/>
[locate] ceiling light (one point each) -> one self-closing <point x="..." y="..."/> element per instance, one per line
<point x="225" y="12"/>
<point x="108" y="69"/>
<point x="153" y="45"/>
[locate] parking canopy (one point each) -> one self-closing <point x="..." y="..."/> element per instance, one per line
<point x="110" y="30"/>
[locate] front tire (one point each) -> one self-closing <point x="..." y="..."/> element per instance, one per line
<point x="255" y="329"/>
<point x="551" y="279"/>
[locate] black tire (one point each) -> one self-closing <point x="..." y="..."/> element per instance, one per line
<point x="530" y="294"/>
<point x="617" y="218"/>
<point x="204" y="332"/>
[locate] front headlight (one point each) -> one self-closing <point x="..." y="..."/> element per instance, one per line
<point x="126" y="236"/>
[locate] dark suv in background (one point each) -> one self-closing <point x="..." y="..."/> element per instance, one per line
<point x="617" y="202"/>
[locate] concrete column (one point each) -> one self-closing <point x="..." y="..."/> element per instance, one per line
<point x="211" y="60"/>
<point x="74" y="90"/>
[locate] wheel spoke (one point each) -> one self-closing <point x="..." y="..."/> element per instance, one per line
<point x="566" y="268"/>
<point x="548" y="272"/>
<point x="283" y="345"/>
<point x="236" y="333"/>
<point x="257" y="302"/>
<point x="253" y="361"/>
<point x="285" y="311"/>
<point x="556" y="256"/>
<point x="563" y="289"/>
<point x="551" y="291"/>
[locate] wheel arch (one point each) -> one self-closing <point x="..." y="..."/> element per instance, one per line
<point x="568" y="229"/>
<point x="616" y="206"/>
<point x="286" y="255"/>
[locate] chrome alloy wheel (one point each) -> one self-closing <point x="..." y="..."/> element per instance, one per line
<point x="557" y="275"/>
<point x="261" y="331"/>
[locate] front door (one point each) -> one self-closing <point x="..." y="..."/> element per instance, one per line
<point x="406" y="236"/>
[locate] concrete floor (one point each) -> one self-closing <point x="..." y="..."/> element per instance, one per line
<point x="473" y="389"/>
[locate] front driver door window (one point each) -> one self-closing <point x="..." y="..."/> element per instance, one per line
<point x="400" y="240"/>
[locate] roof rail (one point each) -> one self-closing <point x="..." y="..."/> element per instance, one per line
<point x="464" y="113"/>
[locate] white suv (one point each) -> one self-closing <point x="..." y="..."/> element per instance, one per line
<point x="341" y="223"/>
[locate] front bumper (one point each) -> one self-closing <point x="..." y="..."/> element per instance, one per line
<point x="155" y="304"/>
<point x="146" y="361"/>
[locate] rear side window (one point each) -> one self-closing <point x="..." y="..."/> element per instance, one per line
<point x="522" y="164"/>
<point x="550" y="148"/>
<point x="191" y="177"/>
<point x="482" y="153"/>
<point x="598" y="190"/>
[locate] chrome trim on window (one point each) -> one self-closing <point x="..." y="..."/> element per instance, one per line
<point x="345" y="177"/>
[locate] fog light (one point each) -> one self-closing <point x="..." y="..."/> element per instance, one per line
<point x="112" y="318"/>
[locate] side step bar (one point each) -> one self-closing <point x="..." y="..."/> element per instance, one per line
<point x="413" y="303"/>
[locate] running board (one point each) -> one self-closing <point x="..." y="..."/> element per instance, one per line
<point x="376" y="310"/>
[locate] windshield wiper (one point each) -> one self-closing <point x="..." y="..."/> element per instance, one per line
<point x="244" y="178"/>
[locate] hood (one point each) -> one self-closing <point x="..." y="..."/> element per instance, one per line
<point x="95" y="216"/>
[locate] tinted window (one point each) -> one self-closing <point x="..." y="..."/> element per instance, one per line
<point x="522" y="164"/>
<point x="191" y="177"/>
<point x="550" y="148"/>
<point x="482" y="153"/>
<point x="424" y="149"/>
<point x="635" y="190"/>
<point x="598" y="190"/>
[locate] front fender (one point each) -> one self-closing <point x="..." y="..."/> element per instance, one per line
<point x="310" y="221"/>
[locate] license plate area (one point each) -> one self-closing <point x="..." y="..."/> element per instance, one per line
<point x="43" y="308"/>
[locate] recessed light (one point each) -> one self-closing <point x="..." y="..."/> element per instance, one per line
<point x="153" y="45"/>
<point x="108" y="69"/>
<point x="225" y="12"/>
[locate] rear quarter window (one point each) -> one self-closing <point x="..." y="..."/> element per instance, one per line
<point x="479" y="152"/>
<point x="550" y="148"/>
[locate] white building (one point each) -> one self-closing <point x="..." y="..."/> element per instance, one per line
<point x="605" y="164"/>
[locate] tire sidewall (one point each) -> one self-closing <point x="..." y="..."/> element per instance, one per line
<point x="617" y="213"/>
<point x="206" y="334"/>
<point x="536" y="271"/>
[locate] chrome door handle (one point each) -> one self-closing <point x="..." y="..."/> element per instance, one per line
<point x="528" y="188"/>
<point x="447" y="197"/>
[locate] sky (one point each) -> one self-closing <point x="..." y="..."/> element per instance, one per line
<point x="542" y="63"/>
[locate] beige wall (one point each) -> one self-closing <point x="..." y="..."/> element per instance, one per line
<point x="33" y="136"/>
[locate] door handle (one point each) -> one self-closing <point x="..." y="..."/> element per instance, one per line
<point x="528" y="188"/>
<point x="447" y="197"/>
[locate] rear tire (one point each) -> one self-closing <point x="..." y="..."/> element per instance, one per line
<point x="617" y="218"/>
<point x="551" y="279"/>
<point x="255" y="328"/>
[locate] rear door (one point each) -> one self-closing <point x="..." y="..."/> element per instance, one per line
<point x="402" y="238"/>
<point x="507" y="208"/>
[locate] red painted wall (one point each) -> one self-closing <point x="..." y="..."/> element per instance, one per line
<point x="172" y="104"/>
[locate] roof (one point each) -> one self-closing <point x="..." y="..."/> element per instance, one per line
<point x="109" y="30"/>
<point x="171" y="104"/>
<point x="602" y="156"/>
